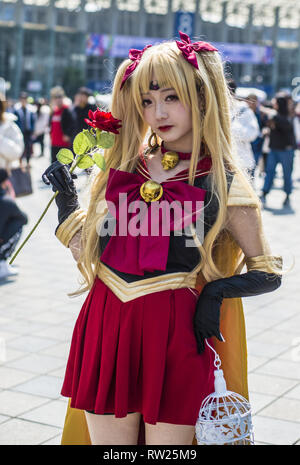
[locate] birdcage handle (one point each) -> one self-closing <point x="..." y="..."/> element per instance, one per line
<point x="217" y="361"/>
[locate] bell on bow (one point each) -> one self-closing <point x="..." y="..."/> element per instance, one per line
<point x="151" y="191"/>
<point x="169" y="160"/>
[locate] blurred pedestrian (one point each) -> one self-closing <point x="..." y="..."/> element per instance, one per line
<point x="266" y="106"/>
<point x="245" y="130"/>
<point x="25" y="120"/>
<point x="282" y="146"/>
<point x="81" y="108"/>
<point x="296" y="124"/>
<point x="41" y="126"/>
<point x="12" y="220"/>
<point x="257" y="144"/>
<point x="11" y="137"/>
<point x="10" y="106"/>
<point x="62" y="123"/>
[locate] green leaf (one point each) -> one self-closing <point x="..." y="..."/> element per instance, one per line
<point x="65" y="156"/>
<point x="81" y="144"/>
<point x="105" y="140"/>
<point x="99" y="160"/>
<point x="85" y="162"/>
<point x="91" y="138"/>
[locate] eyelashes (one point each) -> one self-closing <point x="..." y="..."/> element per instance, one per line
<point x="172" y="98"/>
<point x="146" y="102"/>
<point x="169" y="98"/>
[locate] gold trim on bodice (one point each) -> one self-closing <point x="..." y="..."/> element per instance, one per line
<point x="128" y="291"/>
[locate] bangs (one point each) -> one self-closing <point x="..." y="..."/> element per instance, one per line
<point x="169" y="69"/>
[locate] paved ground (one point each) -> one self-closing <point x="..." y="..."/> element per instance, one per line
<point x="37" y="318"/>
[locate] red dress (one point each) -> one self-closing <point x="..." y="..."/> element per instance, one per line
<point x="139" y="355"/>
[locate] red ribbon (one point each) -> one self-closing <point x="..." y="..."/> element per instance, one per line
<point x="145" y="251"/>
<point x="188" y="48"/>
<point x="135" y="56"/>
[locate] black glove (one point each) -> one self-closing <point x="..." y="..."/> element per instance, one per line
<point x="207" y="314"/>
<point x="58" y="176"/>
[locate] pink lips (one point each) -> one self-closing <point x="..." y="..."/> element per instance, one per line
<point x="165" y="128"/>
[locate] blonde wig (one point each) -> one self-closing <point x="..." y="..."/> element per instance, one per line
<point x="206" y="93"/>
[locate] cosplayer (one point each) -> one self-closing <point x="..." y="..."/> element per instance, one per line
<point x="139" y="368"/>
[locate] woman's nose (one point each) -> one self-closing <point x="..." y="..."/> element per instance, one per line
<point x="160" y="111"/>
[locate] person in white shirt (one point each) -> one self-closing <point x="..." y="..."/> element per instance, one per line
<point x="245" y="129"/>
<point x="11" y="137"/>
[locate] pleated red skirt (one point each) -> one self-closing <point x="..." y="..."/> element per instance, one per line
<point x="138" y="356"/>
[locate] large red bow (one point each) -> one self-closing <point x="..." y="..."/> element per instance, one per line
<point x="137" y="251"/>
<point x="188" y="48"/>
<point x="135" y="56"/>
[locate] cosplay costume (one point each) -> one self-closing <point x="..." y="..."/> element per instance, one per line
<point x="133" y="347"/>
<point x="138" y="342"/>
<point x="148" y="349"/>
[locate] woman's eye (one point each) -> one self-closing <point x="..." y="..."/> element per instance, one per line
<point x="146" y="102"/>
<point x="172" y="98"/>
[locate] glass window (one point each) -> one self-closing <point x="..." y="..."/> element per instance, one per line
<point x="7" y="12"/>
<point x="41" y="16"/>
<point x="28" y="14"/>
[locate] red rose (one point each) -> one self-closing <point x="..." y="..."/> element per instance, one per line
<point x="104" y="121"/>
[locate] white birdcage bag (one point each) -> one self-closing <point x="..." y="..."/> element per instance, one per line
<point x="224" y="416"/>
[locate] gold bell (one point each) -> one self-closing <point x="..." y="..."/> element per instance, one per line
<point x="169" y="160"/>
<point x="151" y="191"/>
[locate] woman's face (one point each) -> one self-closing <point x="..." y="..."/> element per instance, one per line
<point x="168" y="118"/>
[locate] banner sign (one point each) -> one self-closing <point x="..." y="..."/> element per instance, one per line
<point x="245" y="53"/>
<point x="118" y="47"/>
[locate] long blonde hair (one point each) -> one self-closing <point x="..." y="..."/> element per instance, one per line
<point x="206" y="93"/>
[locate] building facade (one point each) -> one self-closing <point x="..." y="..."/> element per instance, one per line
<point x="81" y="42"/>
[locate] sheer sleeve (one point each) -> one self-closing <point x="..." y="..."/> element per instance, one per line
<point x="245" y="225"/>
<point x="75" y="245"/>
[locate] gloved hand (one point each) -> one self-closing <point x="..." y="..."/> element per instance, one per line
<point x="207" y="315"/>
<point x="58" y="176"/>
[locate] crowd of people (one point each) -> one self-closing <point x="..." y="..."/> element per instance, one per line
<point x="61" y="118"/>
<point x="267" y="133"/>
<point x="22" y="125"/>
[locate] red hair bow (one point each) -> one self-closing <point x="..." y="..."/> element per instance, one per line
<point x="188" y="48"/>
<point x="135" y="56"/>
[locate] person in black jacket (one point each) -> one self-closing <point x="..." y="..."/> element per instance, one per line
<point x="12" y="220"/>
<point x="282" y="146"/>
<point x="81" y="108"/>
<point x="80" y="112"/>
<point x="26" y="121"/>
